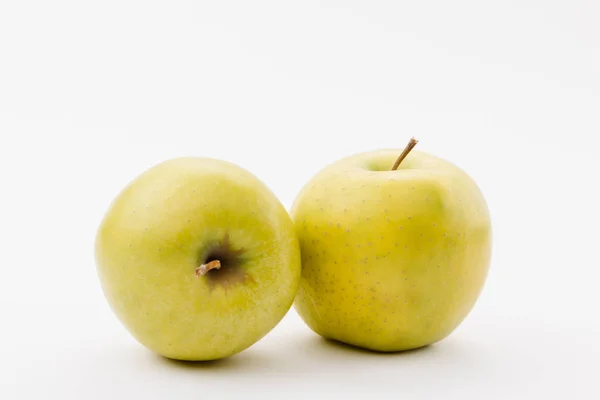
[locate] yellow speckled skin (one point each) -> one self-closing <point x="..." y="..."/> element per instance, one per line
<point x="391" y="260"/>
<point x="156" y="233"/>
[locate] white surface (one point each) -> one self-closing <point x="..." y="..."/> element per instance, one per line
<point x="93" y="93"/>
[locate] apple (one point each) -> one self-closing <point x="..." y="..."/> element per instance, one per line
<point x="198" y="259"/>
<point x="391" y="259"/>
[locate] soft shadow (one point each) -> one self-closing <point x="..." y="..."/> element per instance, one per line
<point x="243" y="361"/>
<point x="348" y="347"/>
<point x="451" y="360"/>
<point x="326" y="353"/>
<point x="311" y="356"/>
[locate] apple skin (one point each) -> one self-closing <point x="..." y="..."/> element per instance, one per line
<point x="176" y="216"/>
<point x="391" y="260"/>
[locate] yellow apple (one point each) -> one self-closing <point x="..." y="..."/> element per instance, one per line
<point x="198" y="259"/>
<point x="391" y="259"/>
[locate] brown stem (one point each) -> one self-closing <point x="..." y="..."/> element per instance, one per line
<point x="413" y="142"/>
<point x="204" y="268"/>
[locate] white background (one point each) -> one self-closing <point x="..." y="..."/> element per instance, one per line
<point x="93" y="93"/>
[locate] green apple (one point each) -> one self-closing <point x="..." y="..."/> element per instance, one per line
<point x="391" y="259"/>
<point x="198" y="259"/>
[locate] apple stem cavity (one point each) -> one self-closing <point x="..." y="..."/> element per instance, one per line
<point x="413" y="142"/>
<point x="204" y="268"/>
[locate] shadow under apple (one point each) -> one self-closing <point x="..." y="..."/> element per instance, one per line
<point x="306" y="355"/>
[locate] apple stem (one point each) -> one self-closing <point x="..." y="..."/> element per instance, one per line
<point x="204" y="268"/>
<point x="413" y="142"/>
